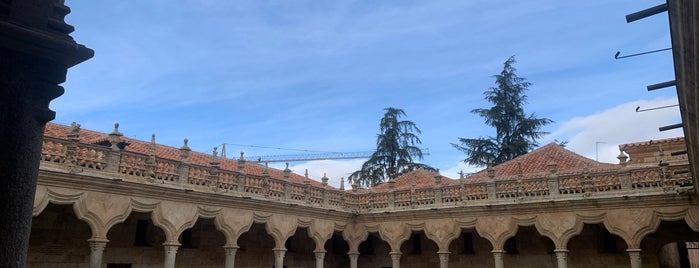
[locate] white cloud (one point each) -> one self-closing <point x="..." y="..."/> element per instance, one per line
<point x="599" y="135"/>
<point x="459" y="166"/>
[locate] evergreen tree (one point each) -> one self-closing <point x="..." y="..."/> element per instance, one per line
<point x="516" y="133"/>
<point x="395" y="149"/>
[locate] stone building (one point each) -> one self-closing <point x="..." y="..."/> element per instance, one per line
<point x="108" y="201"/>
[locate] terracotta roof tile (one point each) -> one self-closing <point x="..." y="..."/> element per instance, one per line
<point x="677" y="140"/>
<point x="172" y="153"/>
<point x="422" y="178"/>
<point x="535" y="163"/>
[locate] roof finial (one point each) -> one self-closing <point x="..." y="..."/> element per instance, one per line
<point x="287" y="171"/>
<point x="342" y="183"/>
<point x="214" y="156"/>
<point x="184" y="150"/>
<point x="266" y="170"/>
<point x="151" y="146"/>
<point x="623" y="158"/>
<point x="553" y="167"/>
<point x="306" y="180"/>
<point x="115" y="137"/>
<point x="324" y="179"/>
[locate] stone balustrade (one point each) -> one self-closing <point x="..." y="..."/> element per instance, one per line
<point x="102" y="161"/>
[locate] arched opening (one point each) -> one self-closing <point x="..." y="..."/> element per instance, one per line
<point x="135" y="242"/>
<point x="201" y="245"/>
<point x="337" y="249"/>
<point x="374" y="252"/>
<point x="672" y="245"/>
<point x="595" y="246"/>
<point x="470" y="250"/>
<point x="255" y="248"/>
<point x="528" y="248"/>
<point x="419" y="251"/>
<point x="58" y="238"/>
<point x="299" y="249"/>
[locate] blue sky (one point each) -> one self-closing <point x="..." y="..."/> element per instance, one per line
<point x="316" y="75"/>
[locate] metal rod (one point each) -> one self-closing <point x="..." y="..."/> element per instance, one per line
<point x="662" y="85"/>
<point x="678" y="153"/>
<point x="638" y="108"/>
<point x="670" y="127"/>
<point x="646" y="13"/>
<point x="616" y="56"/>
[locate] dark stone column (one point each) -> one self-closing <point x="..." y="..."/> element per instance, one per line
<point x="35" y="53"/>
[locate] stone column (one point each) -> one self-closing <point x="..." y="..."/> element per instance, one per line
<point x="170" y="255"/>
<point x="498" y="256"/>
<point x="443" y="259"/>
<point x="36" y="50"/>
<point x="635" y="257"/>
<point x="96" y="250"/>
<point x="279" y="258"/>
<point x="354" y="257"/>
<point x="562" y="257"/>
<point x="230" y="256"/>
<point x="395" y="259"/>
<point x="320" y="256"/>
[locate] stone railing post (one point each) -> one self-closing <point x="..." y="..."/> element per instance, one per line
<point x="324" y="179"/>
<point x="114" y="155"/>
<point x="265" y="181"/>
<point x="391" y="193"/>
<point x="438" y="189"/>
<point x="307" y="188"/>
<point x="490" y="185"/>
<point x="287" y="185"/>
<point x="150" y="161"/>
<point x="72" y="154"/>
<point x="183" y="168"/>
<point x="553" y="184"/>
<point x="212" y="177"/>
<point x="240" y="184"/>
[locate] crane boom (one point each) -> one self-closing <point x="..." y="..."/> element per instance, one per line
<point x="311" y="157"/>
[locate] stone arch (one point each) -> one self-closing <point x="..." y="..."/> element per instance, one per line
<point x="355" y="234"/>
<point x="102" y="211"/>
<point x="281" y="227"/>
<point x="394" y="234"/>
<point x="634" y="224"/>
<point x="497" y="229"/>
<point x="559" y="227"/>
<point x="56" y="230"/>
<point x="173" y="218"/>
<point x="320" y="231"/>
<point x="232" y="223"/>
<point x="442" y="232"/>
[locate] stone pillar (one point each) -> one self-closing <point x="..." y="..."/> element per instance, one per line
<point x="279" y="258"/>
<point x="320" y="256"/>
<point x="96" y="250"/>
<point x="230" y="256"/>
<point x="562" y="257"/>
<point x="36" y="50"/>
<point x="354" y="257"/>
<point x="395" y="259"/>
<point x="635" y="257"/>
<point x="443" y="259"/>
<point x="498" y="256"/>
<point x="170" y="255"/>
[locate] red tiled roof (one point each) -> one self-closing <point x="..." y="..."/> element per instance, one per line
<point x="677" y="140"/>
<point x="536" y="162"/>
<point x="172" y="153"/>
<point x="423" y="178"/>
